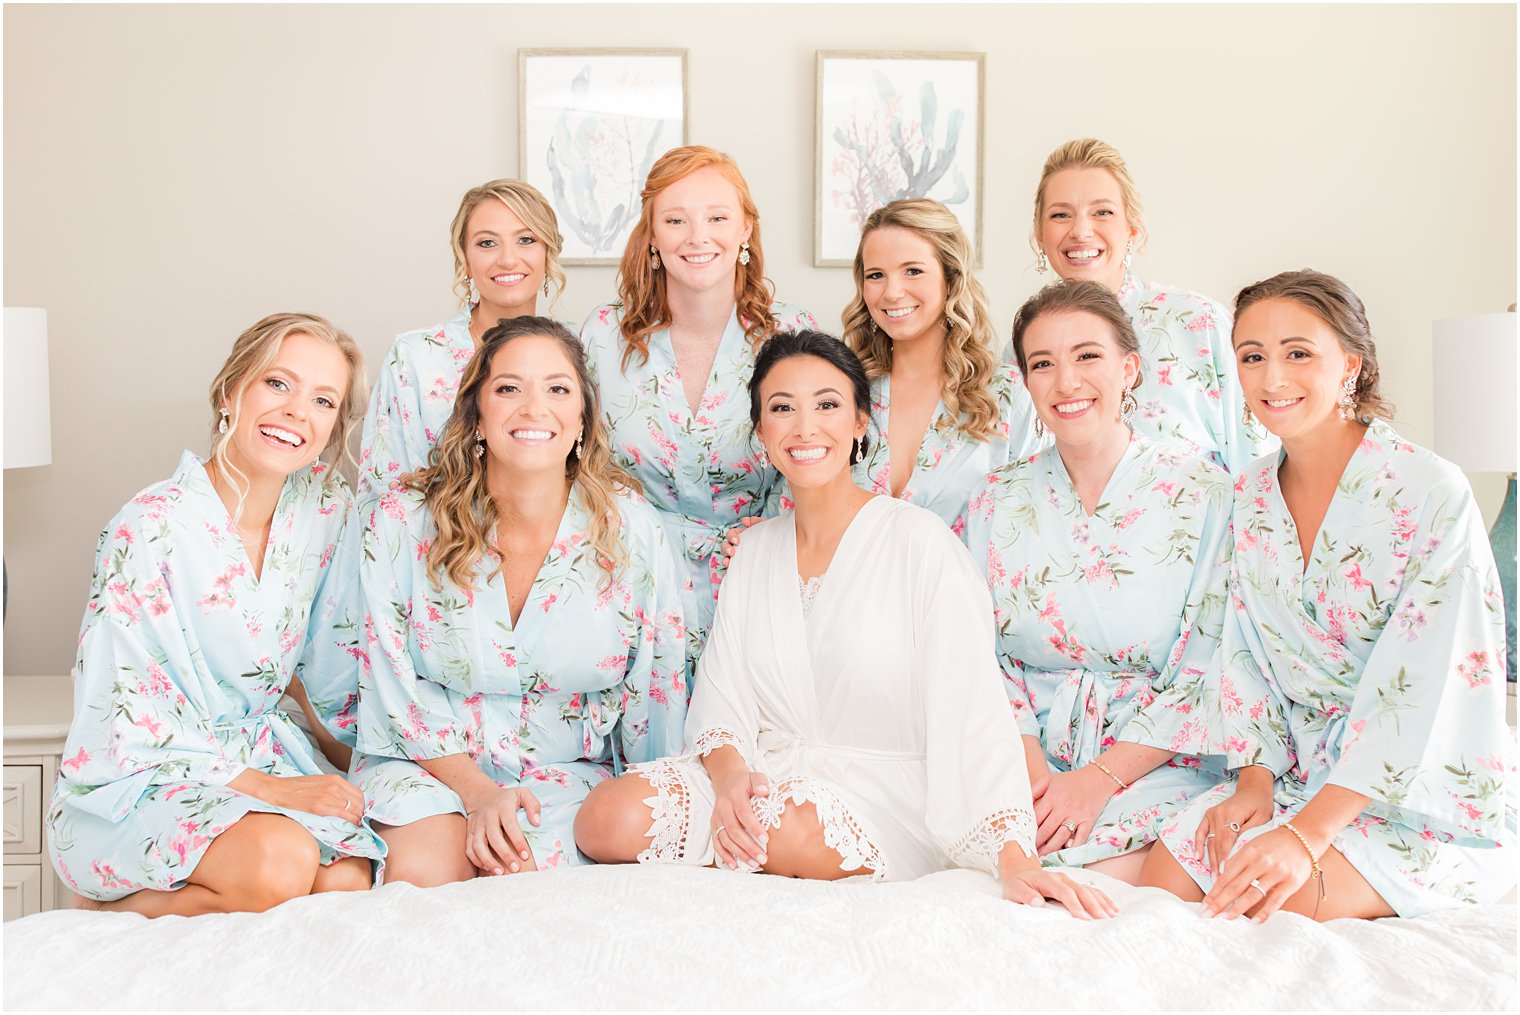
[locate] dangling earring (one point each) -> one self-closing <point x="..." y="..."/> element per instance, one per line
<point x="579" y="448"/>
<point x="654" y="258"/>
<point x="1348" y="398"/>
<point x="221" y="426"/>
<point x="1129" y="254"/>
<point x="1128" y="406"/>
<point x="765" y="459"/>
<point x="1247" y="417"/>
<point x="1041" y="262"/>
<point x="480" y="445"/>
<point x="744" y="252"/>
<point x="473" y="296"/>
<point x="546" y="288"/>
<point x="1039" y="429"/>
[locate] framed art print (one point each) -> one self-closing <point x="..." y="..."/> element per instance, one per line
<point x="590" y="124"/>
<point x="890" y="126"/>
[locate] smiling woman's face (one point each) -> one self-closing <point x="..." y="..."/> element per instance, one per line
<point x="530" y="407"/>
<point x="808" y="421"/>
<point x="287" y="412"/>
<point x="1083" y="228"/>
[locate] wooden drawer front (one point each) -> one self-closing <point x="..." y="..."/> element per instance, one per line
<point x="23" y="812"/>
<point x="23" y="890"/>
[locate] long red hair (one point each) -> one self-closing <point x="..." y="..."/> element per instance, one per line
<point x="642" y="289"/>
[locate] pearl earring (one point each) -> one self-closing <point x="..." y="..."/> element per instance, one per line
<point x="1347" y="400"/>
<point x="221" y="426"/>
<point x="744" y="252"/>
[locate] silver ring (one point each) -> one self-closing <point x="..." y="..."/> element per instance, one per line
<point x="1070" y="826"/>
<point x="1206" y="838"/>
<point x="1256" y="884"/>
<point x="348" y="806"/>
<point x="718" y="831"/>
<point x="1235" y="827"/>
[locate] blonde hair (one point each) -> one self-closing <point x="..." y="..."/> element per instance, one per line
<point x="453" y="484"/>
<point x="1090" y="153"/>
<point x="524" y="201"/>
<point x="254" y="352"/>
<point x="642" y="289"/>
<point x="1333" y="302"/>
<point x="969" y="358"/>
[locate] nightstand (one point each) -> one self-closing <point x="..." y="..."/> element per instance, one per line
<point x="37" y="715"/>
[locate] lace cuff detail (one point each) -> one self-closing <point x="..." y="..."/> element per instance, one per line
<point x="979" y="848"/>
<point x="842" y="832"/>
<point x="714" y="737"/>
<point x="670" y="809"/>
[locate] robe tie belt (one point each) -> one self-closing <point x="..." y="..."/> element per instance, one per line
<point x="774" y="741"/>
<point x="1079" y="716"/>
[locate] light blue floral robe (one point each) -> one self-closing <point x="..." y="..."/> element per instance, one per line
<point x="1108" y="626"/>
<point x="1378" y="666"/>
<point x="1191" y="394"/>
<point x="701" y="470"/>
<point x="949" y="465"/>
<point x="591" y="676"/>
<point x="183" y="656"/>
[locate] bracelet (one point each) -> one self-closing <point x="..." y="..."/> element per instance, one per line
<point x="1314" y="869"/>
<point x="1104" y="769"/>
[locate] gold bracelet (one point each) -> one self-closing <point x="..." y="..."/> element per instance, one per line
<point x="1104" y="769"/>
<point x="1314" y="869"/>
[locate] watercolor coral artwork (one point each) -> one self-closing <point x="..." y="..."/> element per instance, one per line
<point x="591" y="124"/>
<point x="892" y="126"/>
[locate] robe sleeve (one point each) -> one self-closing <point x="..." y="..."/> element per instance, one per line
<point x="402" y="714"/>
<point x="975" y="528"/>
<point x="979" y="797"/>
<point x="329" y="666"/>
<point x="1425" y="737"/>
<point x="1182" y="717"/>
<point x="723" y="707"/>
<point x="140" y="719"/>
<point x="388" y="448"/>
<point x="655" y="682"/>
<point x="1254" y="715"/>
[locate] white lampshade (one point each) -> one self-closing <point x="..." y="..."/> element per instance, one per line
<point x="1475" y="391"/>
<point x="28" y="424"/>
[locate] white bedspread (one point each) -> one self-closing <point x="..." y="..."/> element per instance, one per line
<point x="673" y="937"/>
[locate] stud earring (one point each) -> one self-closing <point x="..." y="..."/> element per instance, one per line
<point x="480" y="445"/>
<point x="221" y="426"/>
<point x="1041" y="262"/>
<point x="744" y="253"/>
<point x="1128" y="406"/>
<point x="1347" y="401"/>
<point x="1039" y="429"/>
<point x="579" y="447"/>
<point x="654" y="258"/>
<point x="473" y="297"/>
<point x="1129" y="254"/>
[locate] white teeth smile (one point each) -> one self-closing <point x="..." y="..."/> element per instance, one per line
<point x="901" y="312"/>
<point x="1082" y="255"/>
<point x="698" y="258"/>
<point x="532" y="435"/>
<point x="1072" y="408"/>
<point x="807" y="454"/>
<point x="283" y="436"/>
<point x="507" y="279"/>
<point x="1281" y="403"/>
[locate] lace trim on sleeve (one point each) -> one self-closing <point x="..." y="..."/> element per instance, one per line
<point x="714" y="737"/>
<point x="979" y="848"/>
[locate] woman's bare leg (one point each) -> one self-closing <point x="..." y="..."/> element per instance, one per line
<point x="1161" y="870"/>
<point x="1126" y="867"/>
<point x="1347" y="893"/>
<point x="614" y="822"/>
<point x="351" y="874"/>
<point x="258" y="863"/>
<point x="427" y="852"/>
<point x="795" y="849"/>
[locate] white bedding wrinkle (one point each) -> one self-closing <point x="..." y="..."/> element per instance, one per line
<point x="693" y="938"/>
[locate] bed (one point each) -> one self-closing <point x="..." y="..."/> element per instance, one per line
<point x="675" y="937"/>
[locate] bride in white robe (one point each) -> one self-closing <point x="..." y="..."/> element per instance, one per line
<point x="848" y="715"/>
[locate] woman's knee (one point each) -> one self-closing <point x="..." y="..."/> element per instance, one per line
<point x="351" y="874"/>
<point x="271" y="860"/>
<point x="1161" y="870"/>
<point x="796" y="847"/>
<point x="428" y="852"/>
<point x="612" y="825"/>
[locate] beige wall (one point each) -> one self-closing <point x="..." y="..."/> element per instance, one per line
<point x="174" y="173"/>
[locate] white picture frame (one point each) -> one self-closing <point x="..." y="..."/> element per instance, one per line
<point x="891" y="125"/>
<point x="590" y="124"/>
